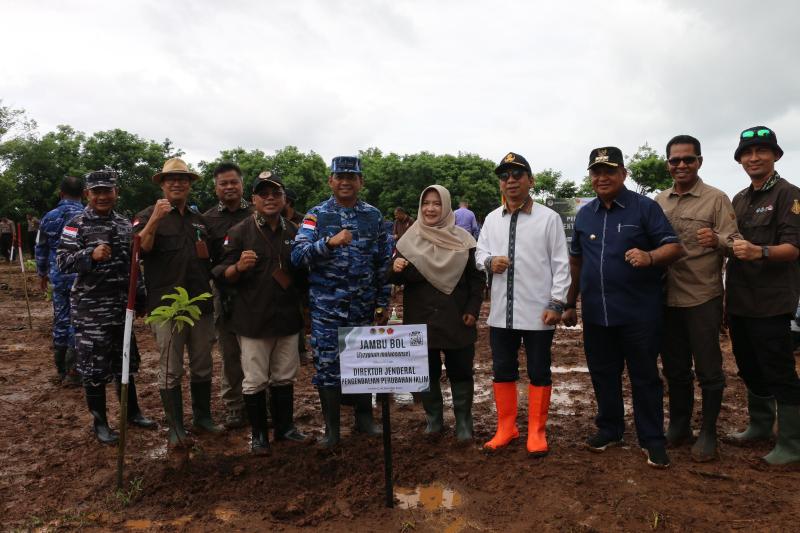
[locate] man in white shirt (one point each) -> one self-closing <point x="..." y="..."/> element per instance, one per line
<point x="523" y="246"/>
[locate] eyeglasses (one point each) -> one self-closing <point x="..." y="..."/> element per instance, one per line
<point x="516" y="174"/>
<point x="686" y="160"/>
<point x="270" y="193"/>
<point x="749" y="134"/>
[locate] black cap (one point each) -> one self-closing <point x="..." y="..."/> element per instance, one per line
<point x="101" y="178"/>
<point x="513" y="160"/>
<point x="608" y="155"/>
<point x="267" y="177"/>
<point x="758" y="136"/>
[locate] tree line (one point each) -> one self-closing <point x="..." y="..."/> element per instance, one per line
<point x="32" y="166"/>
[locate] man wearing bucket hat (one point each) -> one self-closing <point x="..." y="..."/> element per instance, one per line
<point x="344" y="244"/>
<point x="175" y="254"/>
<point x="621" y="244"/>
<point x="96" y="247"/>
<point x="763" y="287"/>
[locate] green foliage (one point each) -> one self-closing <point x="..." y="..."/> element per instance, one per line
<point x="182" y="311"/>
<point x="649" y="170"/>
<point x="125" y="497"/>
<point x="585" y="190"/>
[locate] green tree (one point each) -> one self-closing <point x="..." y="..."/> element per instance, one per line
<point x="649" y="170"/>
<point x="585" y="190"/>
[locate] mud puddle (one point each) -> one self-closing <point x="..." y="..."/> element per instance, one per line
<point x="428" y="497"/>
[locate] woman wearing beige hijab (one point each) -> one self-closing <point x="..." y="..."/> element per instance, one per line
<point x="435" y="263"/>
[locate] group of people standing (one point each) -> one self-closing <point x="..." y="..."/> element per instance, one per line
<point x="264" y="263"/>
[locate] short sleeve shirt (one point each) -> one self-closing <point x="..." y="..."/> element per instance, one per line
<point x="613" y="292"/>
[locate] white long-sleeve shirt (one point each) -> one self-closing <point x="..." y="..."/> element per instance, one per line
<point x="534" y="241"/>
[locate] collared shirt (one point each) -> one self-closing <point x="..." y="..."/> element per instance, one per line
<point x="465" y="219"/>
<point x="533" y="239"/>
<point x="220" y="219"/>
<point x="50" y="234"/>
<point x="173" y="261"/>
<point x="697" y="277"/>
<point x="613" y="292"/>
<point x="767" y="217"/>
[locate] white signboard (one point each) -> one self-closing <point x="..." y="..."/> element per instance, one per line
<point x="392" y="358"/>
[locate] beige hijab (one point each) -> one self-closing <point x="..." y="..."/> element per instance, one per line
<point x="441" y="251"/>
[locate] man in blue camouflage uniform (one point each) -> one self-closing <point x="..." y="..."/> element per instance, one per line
<point x="50" y="230"/>
<point x="345" y="246"/>
<point x="96" y="247"/>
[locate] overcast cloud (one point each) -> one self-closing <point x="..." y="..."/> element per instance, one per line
<point x="550" y="80"/>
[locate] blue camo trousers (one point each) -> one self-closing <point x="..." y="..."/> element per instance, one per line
<point x="63" y="333"/>
<point x="325" y="345"/>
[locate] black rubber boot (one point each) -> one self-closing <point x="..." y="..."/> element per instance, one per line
<point x="172" y="400"/>
<point x="59" y="357"/>
<point x="281" y="401"/>
<point x="681" y="404"/>
<point x="433" y="404"/>
<point x="71" y="379"/>
<point x="135" y="416"/>
<point x="762" y="418"/>
<point x="256" y="405"/>
<point x="463" y="392"/>
<point x="363" y="413"/>
<point x="201" y="407"/>
<point x="705" y="447"/>
<point x="331" y="399"/>
<point x="96" y="400"/>
<point x="787" y="449"/>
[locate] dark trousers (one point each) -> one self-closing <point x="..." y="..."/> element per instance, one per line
<point x="608" y="350"/>
<point x="6" y="242"/>
<point x="458" y="363"/>
<point x="693" y="333"/>
<point x="763" y="351"/>
<point x="505" y="345"/>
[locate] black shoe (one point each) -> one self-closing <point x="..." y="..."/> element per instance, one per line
<point x="96" y="400"/>
<point x="598" y="442"/>
<point x="331" y="400"/>
<point x="256" y="405"/>
<point x="657" y="456"/>
<point x="281" y="402"/>
<point x="135" y="416"/>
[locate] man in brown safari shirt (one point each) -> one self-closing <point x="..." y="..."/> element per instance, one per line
<point x="763" y="285"/>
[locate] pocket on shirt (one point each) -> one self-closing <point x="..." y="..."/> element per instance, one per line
<point x="689" y="225"/>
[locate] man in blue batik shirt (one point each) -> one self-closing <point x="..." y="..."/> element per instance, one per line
<point x="621" y="244"/>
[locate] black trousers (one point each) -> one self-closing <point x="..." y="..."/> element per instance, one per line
<point x="608" y="350"/>
<point x="692" y="334"/>
<point x="458" y="363"/>
<point x="505" y="345"/>
<point x="763" y="351"/>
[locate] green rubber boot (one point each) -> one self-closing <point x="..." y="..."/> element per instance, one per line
<point x="172" y="400"/>
<point x="331" y="399"/>
<point x="762" y="418"/>
<point x="787" y="449"/>
<point x="363" y="413"/>
<point x="201" y="407"/>
<point x="463" y="392"/>
<point x="433" y="404"/>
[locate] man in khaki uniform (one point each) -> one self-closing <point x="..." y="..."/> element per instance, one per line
<point x="705" y="221"/>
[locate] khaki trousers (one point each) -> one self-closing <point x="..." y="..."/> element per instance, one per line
<point x="268" y="362"/>
<point x="196" y="339"/>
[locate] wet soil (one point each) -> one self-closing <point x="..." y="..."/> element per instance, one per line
<point x="54" y="475"/>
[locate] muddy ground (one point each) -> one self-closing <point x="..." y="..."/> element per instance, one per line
<point x="54" y="475"/>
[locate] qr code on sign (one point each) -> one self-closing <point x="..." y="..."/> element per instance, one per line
<point x="416" y="339"/>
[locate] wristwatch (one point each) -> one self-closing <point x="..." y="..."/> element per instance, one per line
<point x="764" y="252"/>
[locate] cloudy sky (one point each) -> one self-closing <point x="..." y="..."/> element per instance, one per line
<point x="549" y="80"/>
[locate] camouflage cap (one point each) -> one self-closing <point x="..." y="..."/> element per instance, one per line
<point x="101" y="178"/>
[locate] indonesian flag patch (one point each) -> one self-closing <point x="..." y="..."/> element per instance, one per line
<point x="69" y="231"/>
<point x="135" y="222"/>
<point x="226" y="242"/>
<point x="310" y="222"/>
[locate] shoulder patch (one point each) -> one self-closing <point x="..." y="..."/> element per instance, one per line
<point x="796" y="207"/>
<point x="310" y="222"/>
<point x="70" y="231"/>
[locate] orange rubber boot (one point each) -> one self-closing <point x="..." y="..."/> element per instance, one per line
<point x="538" y="406"/>
<point x="505" y="398"/>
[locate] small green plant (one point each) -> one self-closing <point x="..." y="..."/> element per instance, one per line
<point x="658" y="519"/>
<point x="181" y="311"/>
<point x="125" y="497"/>
<point x="30" y="265"/>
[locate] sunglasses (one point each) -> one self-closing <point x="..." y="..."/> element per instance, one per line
<point x="270" y="193"/>
<point x="749" y="134"/>
<point x="516" y="174"/>
<point x="686" y="160"/>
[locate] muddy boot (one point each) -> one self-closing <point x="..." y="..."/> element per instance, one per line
<point x="538" y="408"/>
<point x="72" y="379"/>
<point x="462" y="408"/>
<point x="681" y="404"/>
<point x="256" y="405"/>
<point x="762" y="418"/>
<point x="787" y="449"/>
<point x="330" y="398"/>
<point x="705" y="447"/>
<point x="135" y="416"/>
<point x="96" y="400"/>
<point x="281" y="401"/>
<point x="59" y="356"/>
<point x="505" y="399"/>
<point x="172" y="399"/>
<point x="433" y="404"/>
<point x="201" y="407"/>
<point x="363" y="414"/>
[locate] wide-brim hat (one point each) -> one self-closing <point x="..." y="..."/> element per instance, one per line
<point x="176" y="165"/>
<point x="758" y="136"/>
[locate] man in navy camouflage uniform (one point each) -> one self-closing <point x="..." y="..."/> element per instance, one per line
<point x="345" y="246"/>
<point x="96" y="247"/>
<point x="50" y="230"/>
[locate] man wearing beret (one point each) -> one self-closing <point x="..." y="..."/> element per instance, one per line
<point x="621" y="244"/>
<point x="523" y="247"/>
<point x="763" y="286"/>
<point x="344" y="243"/>
<point x="96" y="247"/>
<point x="175" y="253"/>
